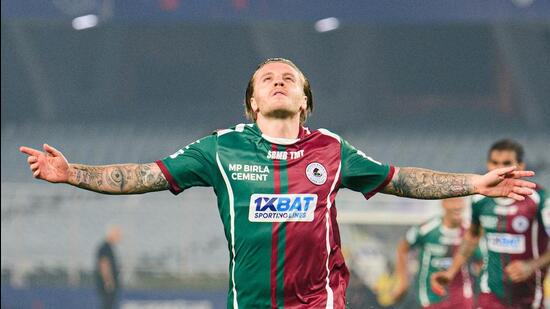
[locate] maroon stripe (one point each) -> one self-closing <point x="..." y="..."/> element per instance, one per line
<point x="383" y="184"/>
<point x="275" y="232"/>
<point x="306" y="277"/>
<point x="174" y="188"/>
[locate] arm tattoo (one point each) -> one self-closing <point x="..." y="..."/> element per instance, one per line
<point x="118" y="178"/>
<point x="426" y="184"/>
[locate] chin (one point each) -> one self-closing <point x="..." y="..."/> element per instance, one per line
<point x="281" y="113"/>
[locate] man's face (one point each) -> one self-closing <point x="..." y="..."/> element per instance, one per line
<point x="278" y="91"/>
<point x="453" y="208"/>
<point x="503" y="158"/>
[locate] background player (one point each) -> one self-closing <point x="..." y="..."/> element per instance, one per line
<point x="276" y="184"/>
<point x="517" y="238"/>
<point x="436" y="241"/>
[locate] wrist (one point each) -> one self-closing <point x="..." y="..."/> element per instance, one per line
<point x="474" y="181"/>
<point x="71" y="175"/>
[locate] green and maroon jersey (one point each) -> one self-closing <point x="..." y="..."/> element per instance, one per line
<point x="276" y="201"/>
<point x="436" y="246"/>
<point x="513" y="230"/>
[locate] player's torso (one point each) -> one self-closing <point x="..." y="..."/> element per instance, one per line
<point x="512" y="231"/>
<point x="435" y="255"/>
<point x="276" y="215"/>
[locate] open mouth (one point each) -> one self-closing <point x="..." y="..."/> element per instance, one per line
<point x="279" y="93"/>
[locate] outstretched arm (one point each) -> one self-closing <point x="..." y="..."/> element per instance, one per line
<point x="427" y="184"/>
<point x="51" y="165"/>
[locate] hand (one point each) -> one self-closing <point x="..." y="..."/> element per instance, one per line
<point x="505" y="182"/>
<point x="519" y="271"/>
<point x="400" y="290"/>
<point x="49" y="165"/>
<point x="439" y="281"/>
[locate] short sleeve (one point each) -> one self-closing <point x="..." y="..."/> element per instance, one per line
<point x="362" y="173"/>
<point x="544" y="210"/>
<point x="412" y="236"/>
<point x="193" y="165"/>
<point x="476" y="208"/>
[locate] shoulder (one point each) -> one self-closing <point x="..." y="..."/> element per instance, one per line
<point x="325" y="132"/>
<point x="239" y="128"/>
<point x="429" y="226"/>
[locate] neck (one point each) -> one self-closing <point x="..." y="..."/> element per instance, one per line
<point x="280" y="128"/>
<point x="449" y="223"/>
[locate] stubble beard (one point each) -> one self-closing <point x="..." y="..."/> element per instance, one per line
<point x="280" y="114"/>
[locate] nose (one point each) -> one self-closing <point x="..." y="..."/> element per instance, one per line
<point x="279" y="82"/>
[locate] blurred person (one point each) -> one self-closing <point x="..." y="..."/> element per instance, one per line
<point x="276" y="183"/>
<point x="107" y="269"/>
<point x="436" y="241"/>
<point x="516" y="237"/>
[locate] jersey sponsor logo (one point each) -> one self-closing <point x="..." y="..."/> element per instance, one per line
<point x="437" y="250"/>
<point x="284" y="155"/>
<point x="450" y="240"/>
<point x="520" y="224"/>
<point x="506" y="243"/>
<point x="316" y="173"/>
<point x="442" y="263"/>
<point x="248" y="172"/>
<point x="282" y="207"/>
<point x="506" y="210"/>
<point x="488" y="222"/>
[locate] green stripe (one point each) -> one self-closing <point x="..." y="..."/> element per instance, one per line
<point x="282" y="238"/>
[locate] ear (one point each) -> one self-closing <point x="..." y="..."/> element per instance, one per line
<point x="254" y="105"/>
<point x="303" y="106"/>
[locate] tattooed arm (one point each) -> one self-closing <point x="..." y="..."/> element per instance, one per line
<point x="51" y="165"/>
<point x="427" y="184"/>
<point x="118" y="178"/>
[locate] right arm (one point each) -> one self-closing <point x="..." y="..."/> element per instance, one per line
<point x="401" y="270"/>
<point x="118" y="178"/>
<point x="51" y="165"/>
<point x="466" y="249"/>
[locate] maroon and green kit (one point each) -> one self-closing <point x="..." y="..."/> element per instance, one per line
<point x="513" y="230"/>
<point x="276" y="199"/>
<point x="436" y="246"/>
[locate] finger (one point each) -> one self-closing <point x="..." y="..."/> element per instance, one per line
<point x="30" y="151"/>
<point x="32" y="159"/>
<point x="51" y="150"/>
<point x="522" y="191"/>
<point x="519" y="174"/>
<point x="438" y="290"/>
<point x="524" y="183"/>
<point x="34" y="166"/>
<point x="36" y="173"/>
<point x="516" y="196"/>
<point x="505" y="170"/>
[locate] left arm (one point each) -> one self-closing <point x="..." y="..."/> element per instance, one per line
<point x="427" y="184"/>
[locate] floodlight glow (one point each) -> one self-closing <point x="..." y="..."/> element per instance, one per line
<point x="85" y="22"/>
<point x="327" y="24"/>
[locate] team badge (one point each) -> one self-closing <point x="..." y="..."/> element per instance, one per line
<point x="520" y="224"/>
<point x="316" y="173"/>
